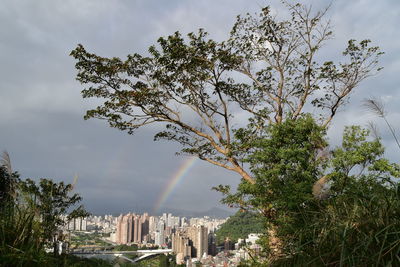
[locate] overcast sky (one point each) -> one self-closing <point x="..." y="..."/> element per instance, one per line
<point x="41" y="109"/>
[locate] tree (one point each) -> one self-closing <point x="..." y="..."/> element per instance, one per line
<point x="51" y="201"/>
<point x="30" y="215"/>
<point x="355" y="221"/>
<point x="193" y="86"/>
<point x="285" y="165"/>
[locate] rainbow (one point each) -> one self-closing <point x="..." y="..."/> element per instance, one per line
<point x="173" y="181"/>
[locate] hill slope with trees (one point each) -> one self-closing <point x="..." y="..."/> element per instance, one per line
<point x="239" y="226"/>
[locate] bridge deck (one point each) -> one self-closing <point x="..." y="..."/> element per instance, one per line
<point x="144" y="252"/>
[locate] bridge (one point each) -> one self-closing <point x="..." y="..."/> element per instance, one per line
<point x="143" y="254"/>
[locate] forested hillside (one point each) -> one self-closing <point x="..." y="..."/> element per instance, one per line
<point x="239" y="226"/>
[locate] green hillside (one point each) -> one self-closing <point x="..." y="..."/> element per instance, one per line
<point x="239" y="226"/>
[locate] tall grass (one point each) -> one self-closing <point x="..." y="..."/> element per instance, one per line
<point x="359" y="228"/>
<point x="20" y="242"/>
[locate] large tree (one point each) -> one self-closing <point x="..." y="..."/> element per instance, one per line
<point x="268" y="68"/>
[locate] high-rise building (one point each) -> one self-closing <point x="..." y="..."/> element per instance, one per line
<point x="161" y="225"/>
<point x="153" y="221"/>
<point x="122" y="230"/>
<point x="125" y="229"/>
<point x="183" y="222"/>
<point x="212" y="244"/>
<point x="77" y="224"/>
<point x="202" y="239"/>
<point x="83" y="224"/>
<point x="132" y="228"/>
<point x="197" y="237"/>
<point x="152" y="224"/>
<point x="159" y="238"/>
<point x="137" y="233"/>
<point x="177" y="222"/>
<point x="145" y="227"/>
<point x="181" y="247"/>
<point x="118" y="231"/>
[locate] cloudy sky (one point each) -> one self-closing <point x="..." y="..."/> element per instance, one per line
<point x="41" y="110"/>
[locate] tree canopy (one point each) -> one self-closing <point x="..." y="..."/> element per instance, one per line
<point x="269" y="68"/>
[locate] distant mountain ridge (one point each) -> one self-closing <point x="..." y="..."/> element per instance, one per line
<point x="214" y="212"/>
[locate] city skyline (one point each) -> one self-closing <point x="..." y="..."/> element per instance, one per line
<point x="188" y="238"/>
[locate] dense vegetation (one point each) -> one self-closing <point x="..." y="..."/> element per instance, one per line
<point x="30" y="220"/>
<point x="240" y="225"/>
<point x="30" y="217"/>
<point x="323" y="207"/>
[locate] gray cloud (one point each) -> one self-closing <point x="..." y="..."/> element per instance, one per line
<point x="41" y="109"/>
